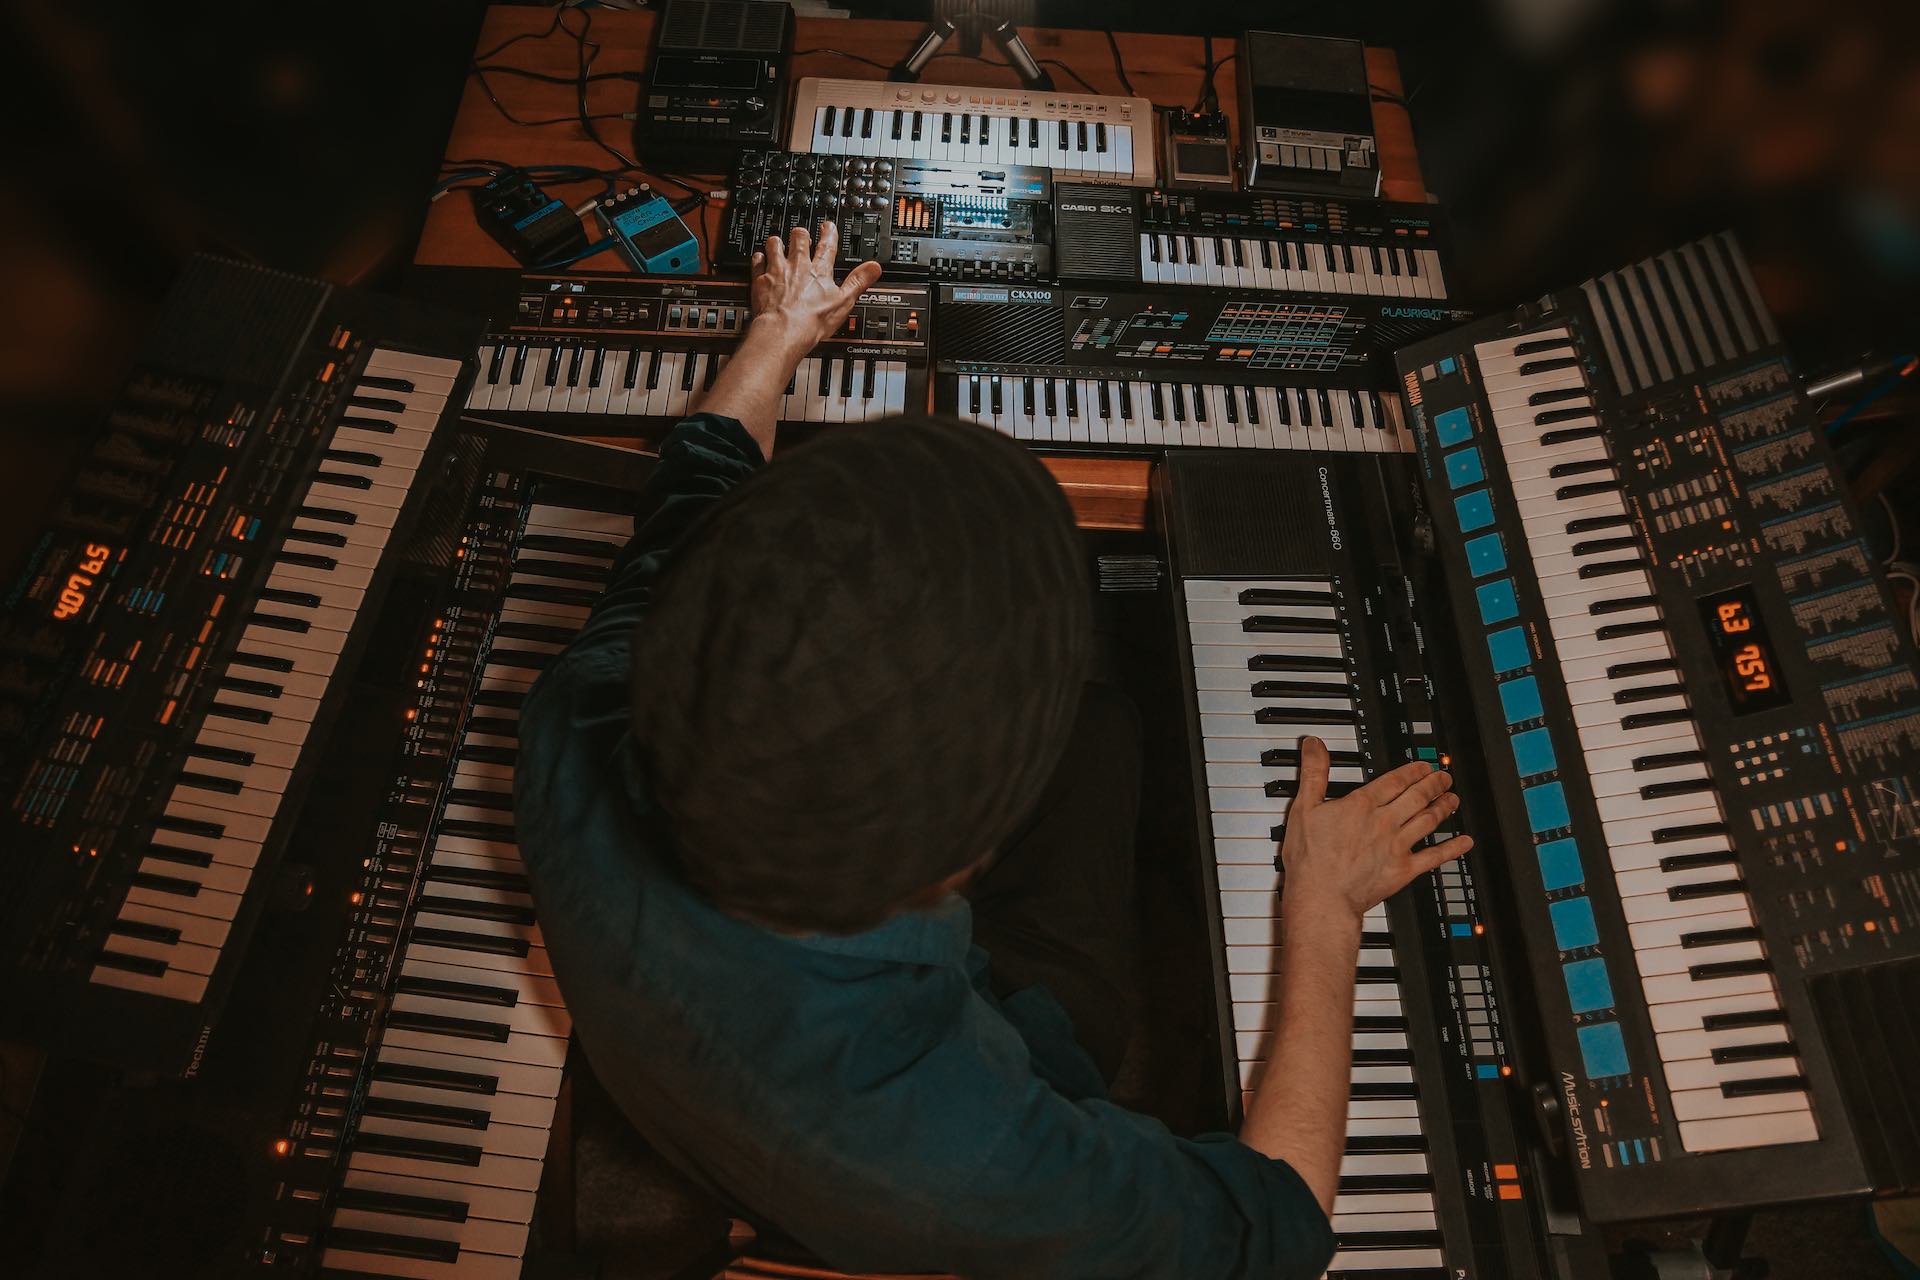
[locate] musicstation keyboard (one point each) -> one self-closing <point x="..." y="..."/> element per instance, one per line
<point x="175" y="643"/>
<point x="1152" y="369"/>
<point x="630" y="356"/>
<point x="1250" y="241"/>
<point x="1297" y="618"/>
<point x="1711" y="728"/>
<point x="1074" y="134"/>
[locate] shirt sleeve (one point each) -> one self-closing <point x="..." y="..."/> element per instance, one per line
<point x="989" y="1172"/>
<point x="701" y="461"/>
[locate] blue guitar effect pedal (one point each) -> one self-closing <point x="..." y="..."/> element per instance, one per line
<point x="650" y="233"/>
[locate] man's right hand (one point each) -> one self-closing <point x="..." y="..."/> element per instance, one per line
<point x="1345" y="856"/>
<point x="794" y="295"/>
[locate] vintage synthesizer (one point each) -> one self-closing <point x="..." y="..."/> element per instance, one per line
<point x="380" y="1097"/>
<point x="629" y="356"/>
<point x="1302" y="607"/>
<point x="172" y="647"/>
<point x="1078" y="135"/>
<point x="917" y="218"/>
<point x="1150" y="369"/>
<point x="1250" y="240"/>
<point x="1704" y="733"/>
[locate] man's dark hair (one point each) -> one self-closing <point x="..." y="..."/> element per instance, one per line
<point x="860" y="670"/>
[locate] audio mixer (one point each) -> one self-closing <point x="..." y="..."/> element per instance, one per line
<point x="917" y="218"/>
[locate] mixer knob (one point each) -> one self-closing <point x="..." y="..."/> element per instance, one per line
<point x="883" y="168"/>
<point x="876" y="202"/>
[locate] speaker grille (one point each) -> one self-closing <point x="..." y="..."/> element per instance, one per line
<point x="1239" y="515"/>
<point x="725" y="26"/>
<point x="1001" y="333"/>
<point x="766" y="26"/>
<point x="1094" y="237"/>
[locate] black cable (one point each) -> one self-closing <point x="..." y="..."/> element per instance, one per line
<point x="508" y="43"/>
<point x="842" y="53"/>
<point x="501" y="70"/>
<point x="1120" y="67"/>
<point x="1378" y="94"/>
<point x="584" y="172"/>
<point x="584" y="61"/>
<point x="1055" y="62"/>
<point x="1207" y="92"/>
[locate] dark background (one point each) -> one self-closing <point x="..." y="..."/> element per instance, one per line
<point x="1563" y="137"/>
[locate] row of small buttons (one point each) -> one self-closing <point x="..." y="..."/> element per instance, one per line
<point x="1576" y="931"/>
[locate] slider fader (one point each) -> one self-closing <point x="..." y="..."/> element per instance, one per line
<point x="957" y="221"/>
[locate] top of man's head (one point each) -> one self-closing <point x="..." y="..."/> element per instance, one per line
<point x="860" y="670"/>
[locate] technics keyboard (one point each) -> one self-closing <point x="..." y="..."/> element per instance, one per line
<point x="1146" y="370"/>
<point x="1708" y="729"/>
<point x="174" y="644"/>
<point x="629" y="356"/>
<point x="1074" y="134"/>
<point x="1297" y="616"/>
<point x="444" y="1154"/>
<point x="1250" y="241"/>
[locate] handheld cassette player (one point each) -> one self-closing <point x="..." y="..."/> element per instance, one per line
<point x="717" y="83"/>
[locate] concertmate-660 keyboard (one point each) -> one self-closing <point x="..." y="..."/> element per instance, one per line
<point x="1305" y="605"/>
<point x="1704" y="726"/>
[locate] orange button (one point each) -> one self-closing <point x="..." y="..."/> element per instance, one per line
<point x="1509" y="1191"/>
<point x="1506" y="1172"/>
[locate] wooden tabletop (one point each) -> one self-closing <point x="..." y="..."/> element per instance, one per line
<point x="1106" y="492"/>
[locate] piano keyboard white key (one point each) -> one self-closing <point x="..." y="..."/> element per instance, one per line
<point x="474" y="996"/>
<point x="1680" y="889"/>
<point x="173" y="922"/>
<point x="1246" y="756"/>
<point x="663" y="383"/>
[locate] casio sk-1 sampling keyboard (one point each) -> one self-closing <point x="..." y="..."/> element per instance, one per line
<point x="1704" y="733"/>
<point x="1079" y="135"/>
<point x="1303" y="606"/>
<point x="1145" y="370"/>
<point x="1247" y="240"/>
<point x="629" y="356"/>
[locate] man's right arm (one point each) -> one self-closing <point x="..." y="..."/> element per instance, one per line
<point x="1342" y="857"/>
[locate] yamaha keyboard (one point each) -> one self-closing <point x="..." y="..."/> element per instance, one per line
<point x="1250" y="240"/>
<point x="1302" y="605"/>
<point x="1081" y="135"/>
<point x="1705" y="732"/>
<point x="174" y="647"/>
<point x="1151" y="369"/>
<point x="630" y="356"/>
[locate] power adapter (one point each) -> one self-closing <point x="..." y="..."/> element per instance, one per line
<point x="531" y="225"/>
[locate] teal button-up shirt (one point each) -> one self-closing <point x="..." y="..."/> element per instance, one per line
<point x="866" y="1093"/>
